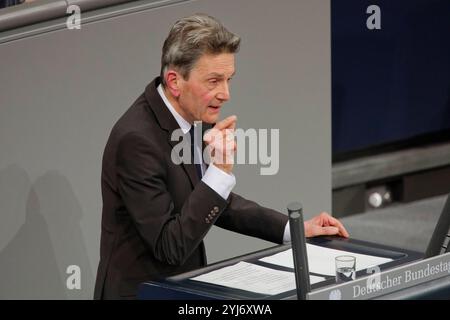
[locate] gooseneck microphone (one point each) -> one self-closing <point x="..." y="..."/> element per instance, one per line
<point x="300" y="256"/>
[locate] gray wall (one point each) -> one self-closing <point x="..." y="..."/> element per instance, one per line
<point x="61" y="92"/>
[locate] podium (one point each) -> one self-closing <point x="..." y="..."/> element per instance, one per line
<point x="181" y="287"/>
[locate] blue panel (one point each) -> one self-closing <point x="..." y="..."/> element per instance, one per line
<point x="390" y="84"/>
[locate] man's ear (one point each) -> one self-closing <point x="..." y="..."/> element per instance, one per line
<point x="173" y="82"/>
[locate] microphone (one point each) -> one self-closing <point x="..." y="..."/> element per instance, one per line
<point x="299" y="253"/>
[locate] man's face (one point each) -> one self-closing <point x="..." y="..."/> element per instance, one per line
<point x="207" y="88"/>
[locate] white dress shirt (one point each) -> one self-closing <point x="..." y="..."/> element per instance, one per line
<point x="218" y="180"/>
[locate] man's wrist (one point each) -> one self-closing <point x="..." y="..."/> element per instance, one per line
<point x="224" y="167"/>
<point x="219" y="180"/>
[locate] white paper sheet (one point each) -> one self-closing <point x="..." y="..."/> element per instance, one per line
<point x="321" y="259"/>
<point x="252" y="277"/>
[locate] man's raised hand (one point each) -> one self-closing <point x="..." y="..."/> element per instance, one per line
<point x="221" y="143"/>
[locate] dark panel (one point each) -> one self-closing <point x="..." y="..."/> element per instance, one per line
<point x="426" y="184"/>
<point x="393" y="83"/>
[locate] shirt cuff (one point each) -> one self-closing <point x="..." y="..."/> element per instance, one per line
<point x="287" y="234"/>
<point x="220" y="181"/>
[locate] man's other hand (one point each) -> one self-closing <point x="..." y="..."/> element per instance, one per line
<point x="324" y="224"/>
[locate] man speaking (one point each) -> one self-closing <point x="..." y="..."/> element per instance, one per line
<point x="156" y="211"/>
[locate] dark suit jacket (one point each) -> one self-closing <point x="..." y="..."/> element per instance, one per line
<point x="156" y="213"/>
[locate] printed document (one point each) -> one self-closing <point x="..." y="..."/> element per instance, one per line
<point x="321" y="259"/>
<point x="252" y="277"/>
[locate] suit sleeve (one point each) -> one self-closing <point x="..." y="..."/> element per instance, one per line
<point x="170" y="236"/>
<point x="249" y="218"/>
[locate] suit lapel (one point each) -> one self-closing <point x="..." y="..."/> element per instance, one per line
<point x="167" y="122"/>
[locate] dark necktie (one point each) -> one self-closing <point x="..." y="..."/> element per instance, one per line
<point x="194" y="155"/>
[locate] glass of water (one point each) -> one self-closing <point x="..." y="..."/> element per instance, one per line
<point x="345" y="268"/>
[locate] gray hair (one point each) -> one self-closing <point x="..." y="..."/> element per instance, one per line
<point x="190" y="38"/>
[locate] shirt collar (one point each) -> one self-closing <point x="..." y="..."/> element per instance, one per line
<point x="184" y="125"/>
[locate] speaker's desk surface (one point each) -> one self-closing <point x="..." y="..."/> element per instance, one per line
<point x="181" y="287"/>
